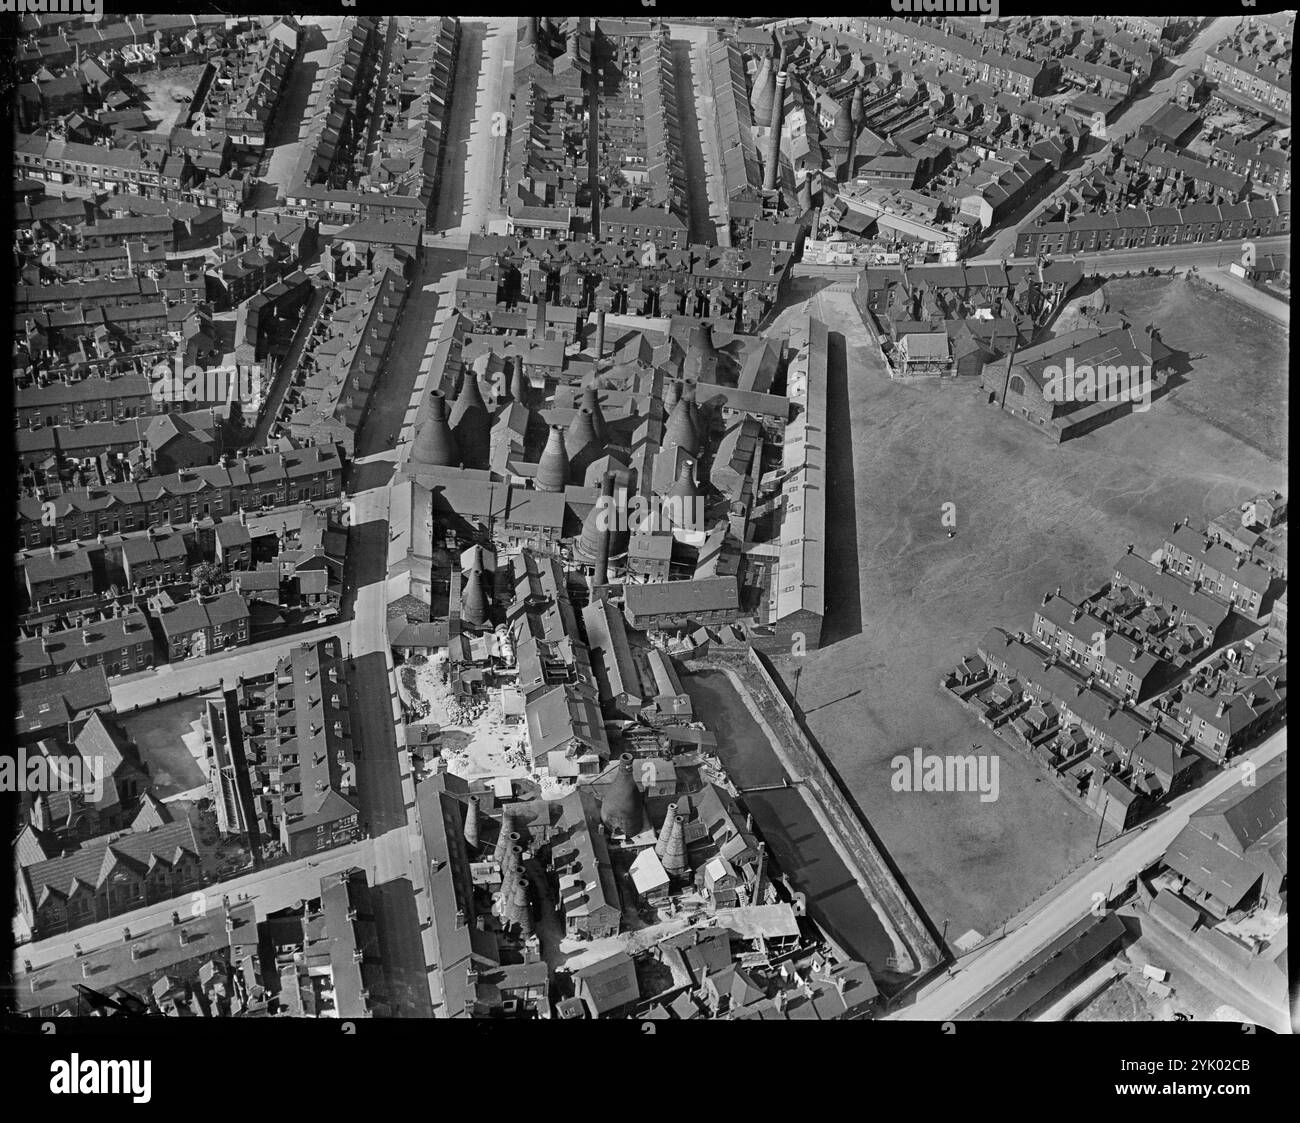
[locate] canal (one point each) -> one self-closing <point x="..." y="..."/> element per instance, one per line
<point x="793" y="836"/>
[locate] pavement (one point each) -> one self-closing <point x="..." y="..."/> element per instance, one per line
<point x="1124" y="859"/>
<point x="1243" y="291"/>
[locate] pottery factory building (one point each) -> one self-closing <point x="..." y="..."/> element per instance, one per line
<point x="494" y="463"/>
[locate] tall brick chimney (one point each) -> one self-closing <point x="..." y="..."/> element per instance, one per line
<point x="772" y="157"/>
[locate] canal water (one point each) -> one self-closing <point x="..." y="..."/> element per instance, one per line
<point x="786" y="823"/>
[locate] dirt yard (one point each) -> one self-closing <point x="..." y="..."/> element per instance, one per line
<point x="162" y="87"/>
<point x="905" y="601"/>
<point x="476" y="739"/>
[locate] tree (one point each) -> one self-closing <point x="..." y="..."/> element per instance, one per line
<point x="209" y="575"/>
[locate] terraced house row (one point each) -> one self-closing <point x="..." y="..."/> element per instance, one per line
<point x="1257" y="81"/>
<point x="59" y="43"/>
<point x="567" y="271"/>
<point x="1159" y="226"/>
<point x="332" y="121"/>
<point x="270" y="480"/>
<point x="154" y="172"/>
<point x="1026" y="76"/>
<point x="238" y="96"/>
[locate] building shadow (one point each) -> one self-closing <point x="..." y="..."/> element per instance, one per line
<point x="843" y="610"/>
<point x="397" y="923"/>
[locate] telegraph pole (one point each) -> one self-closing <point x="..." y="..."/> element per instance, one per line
<point x="1104" y="797"/>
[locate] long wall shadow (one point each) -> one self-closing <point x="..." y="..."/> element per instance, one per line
<point x="448" y="207"/>
<point x="843" y="582"/>
<point x="378" y="797"/>
<point x="851" y="800"/>
<point x="397" y="923"/>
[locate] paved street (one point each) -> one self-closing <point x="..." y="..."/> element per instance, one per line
<point x="470" y="194"/>
<point x="194" y="676"/>
<point x="1201" y="254"/>
<point x="701" y="146"/>
<point x="270" y="890"/>
<point x="426" y="307"/>
<point x="318" y="32"/>
<point x="1071" y="901"/>
<point x="689" y="47"/>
